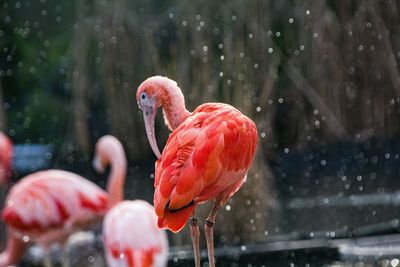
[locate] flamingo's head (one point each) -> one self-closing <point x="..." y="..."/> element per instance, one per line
<point x="151" y="95"/>
<point x="108" y="150"/>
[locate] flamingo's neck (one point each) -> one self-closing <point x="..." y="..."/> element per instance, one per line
<point x="173" y="105"/>
<point x="14" y="250"/>
<point x="116" y="180"/>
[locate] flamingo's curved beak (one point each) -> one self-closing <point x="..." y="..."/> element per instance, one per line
<point x="149" y="114"/>
<point x="97" y="165"/>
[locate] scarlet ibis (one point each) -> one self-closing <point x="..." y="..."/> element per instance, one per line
<point x="207" y="156"/>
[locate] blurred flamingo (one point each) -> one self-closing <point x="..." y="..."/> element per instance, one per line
<point x="130" y="233"/>
<point x="6" y="154"/>
<point x="131" y="236"/>
<point x="207" y="156"/>
<point x="47" y="206"/>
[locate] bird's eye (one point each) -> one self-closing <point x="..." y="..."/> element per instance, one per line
<point x="143" y="96"/>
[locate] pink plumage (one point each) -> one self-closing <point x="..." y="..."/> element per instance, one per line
<point x="6" y="154"/>
<point x="52" y="199"/>
<point x="47" y="206"/>
<point x="132" y="238"/>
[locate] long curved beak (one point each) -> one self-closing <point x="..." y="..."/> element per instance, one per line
<point x="149" y="114"/>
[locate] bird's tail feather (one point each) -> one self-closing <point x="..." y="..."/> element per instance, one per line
<point x="176" y="220"/>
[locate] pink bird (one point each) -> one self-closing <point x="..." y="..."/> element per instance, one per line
<point x="207" y="156"/>
<point x="47" y="206"/>
<point x="132" y="238"/>
<point x="130" y="233"/>
<point x="6" y="155"/>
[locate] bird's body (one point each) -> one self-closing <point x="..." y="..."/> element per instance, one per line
<point x="47" y="206"/>
<point x="207" y="156"/>
<point x="6" y="154"/>
<point x="131" y="237"/>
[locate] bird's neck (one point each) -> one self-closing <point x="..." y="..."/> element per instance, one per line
<point x="14" y="250"/>
<point x="116" y="180"/>
<point x="173" y="106"/>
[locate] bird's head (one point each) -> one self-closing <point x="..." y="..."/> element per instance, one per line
<point x="109" y="150"/>
<point x="151" y="95"/>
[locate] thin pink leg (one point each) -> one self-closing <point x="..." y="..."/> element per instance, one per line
<point x="209" y="230"/>
<point x="195" y="233"/>
<point x="14" y="251"/>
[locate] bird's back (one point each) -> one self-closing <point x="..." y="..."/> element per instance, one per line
<point x="131" y="236"/>
<point x="207" y="156"/>
<point x="49" y="199"/>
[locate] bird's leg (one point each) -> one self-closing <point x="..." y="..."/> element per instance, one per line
<point x="47" y="262"/>
<point x="195" y="233"/>
<point x="65" y="260"/>
<point x="208" y="229"/>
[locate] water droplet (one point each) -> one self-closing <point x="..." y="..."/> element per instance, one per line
<point x="258" y="109"/>
<point x="228" y="207"/>
<point x="286" y="150"/>
<point x="263" y="135"/>
<point x="243" y="248"/>
<point x="171" y="15"/>
<point x="91" y="259"/>
<point x="222" y="57"/>
<point x="308" y="12"/>
<point x="25" y="239"/>
<point x="291" y="20"/>
<point x="278" y="34"/>
<point x="270" y="50"/>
